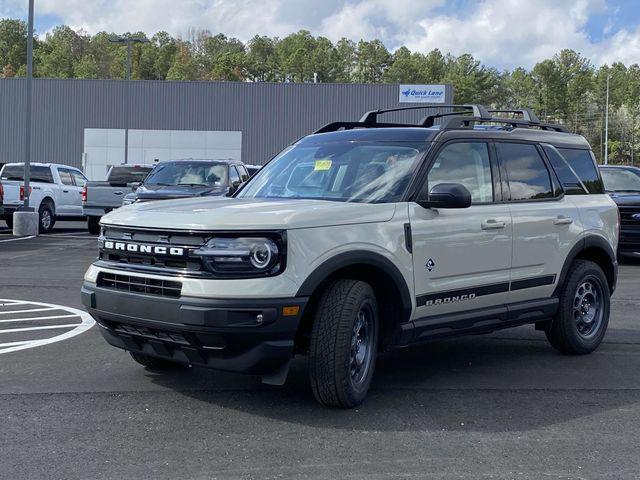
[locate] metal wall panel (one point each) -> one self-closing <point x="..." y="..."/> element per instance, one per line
<point x="270" y="115"/>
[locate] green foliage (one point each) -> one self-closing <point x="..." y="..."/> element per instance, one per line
<point x="565" y="88"/>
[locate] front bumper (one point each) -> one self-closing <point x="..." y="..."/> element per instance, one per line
<point x="215" y="333"/>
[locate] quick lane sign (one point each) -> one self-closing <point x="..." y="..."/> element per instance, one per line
<point x="422" y="94"/>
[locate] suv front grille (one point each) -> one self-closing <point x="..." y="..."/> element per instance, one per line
<point x="626" y="217"/>
<point x="134" y="284"/>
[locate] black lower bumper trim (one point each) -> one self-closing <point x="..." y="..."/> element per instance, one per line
<point x="247" y="336"/>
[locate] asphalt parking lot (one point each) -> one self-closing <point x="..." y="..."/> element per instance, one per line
<point x="499" y="406"/>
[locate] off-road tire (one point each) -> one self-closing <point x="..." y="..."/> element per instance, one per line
<point x="45" y="226"/>
<point x="330" y="353"/>
<point x="93" y="225"/>
<point x="155" y="363"/>
<point x="563" y="333"/>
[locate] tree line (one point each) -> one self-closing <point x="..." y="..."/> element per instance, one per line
<point x="566" y="88"/>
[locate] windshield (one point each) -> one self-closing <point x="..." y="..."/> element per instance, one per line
<point x="348" y="172"/>
<point x="620" y="180"/>
<point x="196" y="173"/>
<point x="128" y="174"/>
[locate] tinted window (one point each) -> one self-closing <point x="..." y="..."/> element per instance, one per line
<point x="244" y="175"/>
<point x="569" y="179"/>
<point x="124" y="175"/>
<point x="468" y="164"/>
<point x="584" y="165"/>
<point x="527" y="173"/>
<point x="233" y="175"/>
<point x="78" y="178"/>
<point x="37" y="173"/>
<point x="65" y="177"/>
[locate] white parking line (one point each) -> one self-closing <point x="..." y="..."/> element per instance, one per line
<point x="28" y="311"/>
<point x="35" y="318"/>
<point x="85" y="323"/>
<point x="46" y="327"/>
<point x="16" y="239"/>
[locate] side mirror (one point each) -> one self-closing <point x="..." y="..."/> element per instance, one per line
<point x="135" y="185"/>
<point x="445" y="195"/>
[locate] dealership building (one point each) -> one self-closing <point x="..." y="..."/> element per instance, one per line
<point x="82" y="122"/>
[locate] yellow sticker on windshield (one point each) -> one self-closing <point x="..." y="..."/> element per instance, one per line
<point x="322" y="165"/>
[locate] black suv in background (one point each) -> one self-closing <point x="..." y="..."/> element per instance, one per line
<point x="622" y="183"/>
<point x="190" y="178"/>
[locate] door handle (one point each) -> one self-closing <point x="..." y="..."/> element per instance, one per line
<point x="492" y="224"/>
<point x="562" y="220"/>
<point x="118" y="192"/>
<point x="65" y="191"/>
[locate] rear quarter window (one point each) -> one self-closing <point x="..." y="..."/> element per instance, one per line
<point x="583" y="163"/>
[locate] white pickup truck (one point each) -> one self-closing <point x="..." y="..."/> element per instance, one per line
<point x="56" y="192"/>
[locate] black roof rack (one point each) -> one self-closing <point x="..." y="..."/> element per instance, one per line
<point x="458" y="119"/>
<point x="527" y="114"/>
<point x="476" y="110"/>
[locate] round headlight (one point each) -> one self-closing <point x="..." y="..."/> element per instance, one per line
<point x="262" y="253"/>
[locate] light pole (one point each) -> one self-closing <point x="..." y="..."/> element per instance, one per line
<point x="606" y="124"/>
<point x="27" y="128"/>
<point x="129" y="41"/>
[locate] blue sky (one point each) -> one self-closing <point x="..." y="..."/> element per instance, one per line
<point x="501" y="33"/>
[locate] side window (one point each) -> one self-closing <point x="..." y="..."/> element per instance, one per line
<point x="244" y="175"/>
<point x="78" y="178"/>
<point x="571" y="183"/>
<point x="65" y="176"/>
<point x="466" y="163"/>
<point x="233" y="175"/>
<point x="584" y="165"/>
<point x="528" y="176"/>
<point x="40" y="174"/>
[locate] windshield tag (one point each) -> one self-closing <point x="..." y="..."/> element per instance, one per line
<point x="322" y="165"/>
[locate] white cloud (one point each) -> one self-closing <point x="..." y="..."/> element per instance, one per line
<point x="502" y="33"/>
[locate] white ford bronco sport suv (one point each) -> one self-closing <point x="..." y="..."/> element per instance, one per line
<point x="363" y="237"/>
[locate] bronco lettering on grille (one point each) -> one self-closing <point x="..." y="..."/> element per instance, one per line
<point x="141" y="248"/>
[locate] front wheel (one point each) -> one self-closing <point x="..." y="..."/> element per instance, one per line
<point x="93" y="224"/>
<point x="583" y="313"/>
<point x="344" y="340"/>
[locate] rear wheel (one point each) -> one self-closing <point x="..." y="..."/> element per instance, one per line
<point x="93" y="224"/>
<point x="47" y="220"/>
<point x="155" y="363"/>
<point x="583" y="313"/>
<point x="344" y="340"/>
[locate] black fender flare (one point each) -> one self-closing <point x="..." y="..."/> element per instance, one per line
<point x="589" y="241"/>
<point x="353" y="258"/>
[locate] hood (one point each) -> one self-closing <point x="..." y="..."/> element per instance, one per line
<point x="223" y="213"/>
<point x="156" y="192"/>
<point x="621" y="198"/>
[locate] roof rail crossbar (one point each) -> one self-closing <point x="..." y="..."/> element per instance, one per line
<point x="477" y="110"/>
<point x="527" y="114"/>
<point x="429" y="120"/>
<point x="335" y="126"/>
<point x="458" y="122"/>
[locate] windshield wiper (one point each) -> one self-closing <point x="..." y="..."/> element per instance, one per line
<point x="193" y="185"/>
<point x="626" y="190"/>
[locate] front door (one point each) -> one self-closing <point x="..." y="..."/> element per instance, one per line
<point x="462" y="257"/>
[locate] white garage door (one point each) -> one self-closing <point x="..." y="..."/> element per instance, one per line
<point x="105" y="147"/>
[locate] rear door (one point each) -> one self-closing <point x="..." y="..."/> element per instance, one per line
<point x="70" y="200"/>
<point x="545" y="222"/>
<point x="462" y="257"/>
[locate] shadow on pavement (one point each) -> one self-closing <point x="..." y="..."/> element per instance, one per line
<point x="471" y="384"/>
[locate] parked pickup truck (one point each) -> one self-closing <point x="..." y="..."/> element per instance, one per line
<point x="99" y="198"/>
<point x="56" y="192"/>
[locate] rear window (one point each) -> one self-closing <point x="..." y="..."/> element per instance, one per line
<point x="583" y="163"/>
<point x="571" y="184"/>
<point x="37" y="173"/>
<point x="128" y="174"/>
<point x="528" y="175"/>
